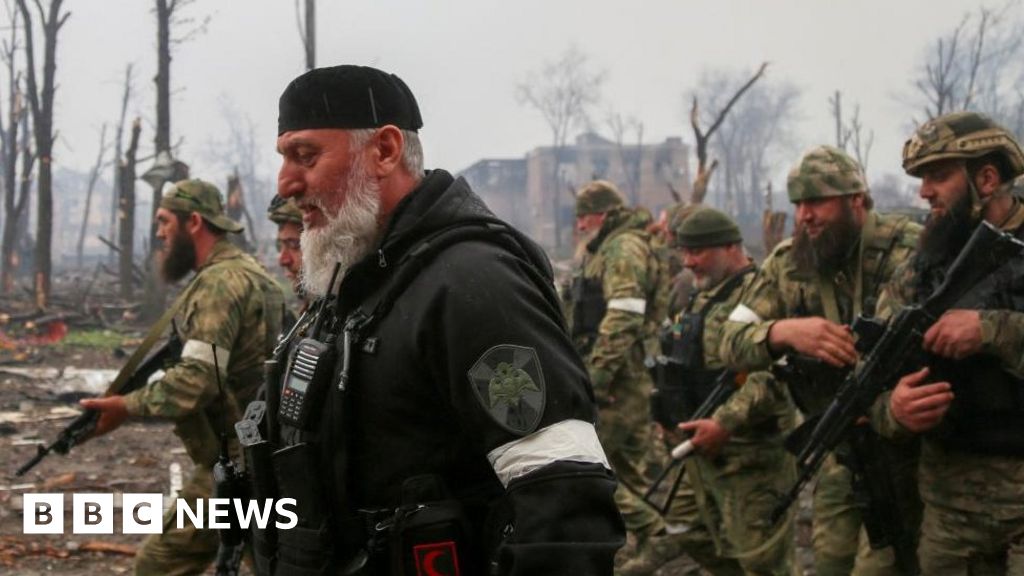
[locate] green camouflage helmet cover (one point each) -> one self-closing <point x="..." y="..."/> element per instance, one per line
<point x="706" y="227"/>
<point x="282" y="211"/>
<point x="960" y="135"/>
<point x="199" y="196"/>
<point x="825" y="172"/>
<point x="598" y="197"/>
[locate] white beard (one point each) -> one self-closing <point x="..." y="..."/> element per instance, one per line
<point x="347" y="237"/>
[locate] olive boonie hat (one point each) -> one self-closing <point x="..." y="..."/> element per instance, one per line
<point x="281" y="211"/>
<point x="347" y="97"/>
<point x="960" y="135"/>
<point x="704" y="228"/>
<point x="598" y="197"/>
<point x="824" y="172"/>
<point x="202" y="198"/>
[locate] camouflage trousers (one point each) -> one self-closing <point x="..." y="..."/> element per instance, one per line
<point x="720" y="515"/>
<point x="184" y="551"/>
<point x="626" y="438"/>
<point x="959" y="542"/>
<point x="841" y="546"/>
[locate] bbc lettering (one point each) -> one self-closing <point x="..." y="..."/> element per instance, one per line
<point x="143" y="513"/>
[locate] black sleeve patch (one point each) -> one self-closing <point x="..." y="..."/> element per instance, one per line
<point x="509" y="383"/>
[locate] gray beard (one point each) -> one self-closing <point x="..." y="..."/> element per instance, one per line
<point x="349" y="235"/>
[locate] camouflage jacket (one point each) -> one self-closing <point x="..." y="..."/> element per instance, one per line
<point x="233" y="303"/>
<point x="634" y="283"/>
<point x="987" y="484"/>
<point x="756" y="407"/>
<point x="782" y="290"/>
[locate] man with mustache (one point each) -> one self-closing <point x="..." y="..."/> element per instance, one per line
<point x="288" y="218"/>
<point x="807" y="292"/>
<point x="619" y="300"/>
<point x="969" y="402"/>
<point x="431" y="416"/>
<point x="720" y="516"/>
<point x="230" y="303"/>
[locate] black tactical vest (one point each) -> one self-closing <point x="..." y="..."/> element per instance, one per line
<point x="682" y="382"/>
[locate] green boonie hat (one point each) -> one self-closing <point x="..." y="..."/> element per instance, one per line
<point x="598" y="197"/>
<point x="825" y="172"/>
<point x="960" y="135"/>
<point x="704" y="228"/>
<point x="202" y="198"/>
<point x="283" y="210"/>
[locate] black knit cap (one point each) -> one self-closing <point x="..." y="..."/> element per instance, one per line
<point x="347" y="97"/>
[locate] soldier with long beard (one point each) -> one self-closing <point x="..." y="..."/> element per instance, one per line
<point x="232" y="304"/>
<point x="969" y="403"/>
<point x="807" y="293"/>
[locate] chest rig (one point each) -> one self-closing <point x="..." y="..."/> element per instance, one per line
<point x="987" y="414"/>
<point x="682" y="381"/>
<point x="294" y="440"/>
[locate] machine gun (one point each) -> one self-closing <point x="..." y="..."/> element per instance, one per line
<point x="126" y="381"/>
<point x="898" y="352"/>
<point x="725" y="385"/>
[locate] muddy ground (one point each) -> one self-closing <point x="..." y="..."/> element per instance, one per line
<point x="136" y="458"/>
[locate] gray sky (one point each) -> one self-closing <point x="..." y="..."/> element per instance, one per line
<point x="463" y="58"/>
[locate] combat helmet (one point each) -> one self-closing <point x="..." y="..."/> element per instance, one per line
<point x="960" y="135"/>
<point x="598" y="197"/>
<point x="825" y="172"/>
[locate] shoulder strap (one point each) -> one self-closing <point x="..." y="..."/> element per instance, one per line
<point x="154" y="334"/>
<point x="414" y="261"/>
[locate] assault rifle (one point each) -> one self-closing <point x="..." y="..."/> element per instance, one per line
<point x="898" y="352"/>
<point x="725" y="385"/>
<point x="81" y="427"/>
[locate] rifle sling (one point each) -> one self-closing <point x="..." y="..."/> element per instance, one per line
<point x="154" y="334"/>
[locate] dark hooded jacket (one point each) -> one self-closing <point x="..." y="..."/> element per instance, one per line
<point x="425" y="394"/>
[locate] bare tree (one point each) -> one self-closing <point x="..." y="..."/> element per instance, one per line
<point x="704" y="171"/>
<point x="851" y="133"/>
<point x="239" y="152"/>
<point x="563" y="92"/>
<point x="169" y="17"/>
<point x="94" y="175"/>
<point x="773" y="224"/>
<point x="976" y="66"/>
<point x="756" y="136"/>
<point x="115" y="192"/>
<point x="630" y="157"/>
<point x="306" y="20"/>
<point x="41" y="105"/>
<point x="126" y="212"/>
<point x="15" y="196"/>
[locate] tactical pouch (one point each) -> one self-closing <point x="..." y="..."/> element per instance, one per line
<point x="589" y="308"/>
<point x="430" y="535"/>
<point x="688" y="348"/>
<point x="304" y="549"/>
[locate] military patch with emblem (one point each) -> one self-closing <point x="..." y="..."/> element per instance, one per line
<point x="509" y="383"/>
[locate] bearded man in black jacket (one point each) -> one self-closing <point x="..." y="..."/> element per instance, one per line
<point x="453" y="433"/>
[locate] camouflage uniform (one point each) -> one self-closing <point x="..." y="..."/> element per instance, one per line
<point x="974" y="499"/>
<point x="281" y="212"/>
<point x="720" y="515"/>
<point x="783" y="290"/>
<point x="623" y="272"/>
<point x="231" y="302"/>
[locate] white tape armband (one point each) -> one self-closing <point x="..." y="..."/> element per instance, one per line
<point x="743" y="315"/>
<point x="634" y="305"/>
<point x="572" y="440"/>
<point x="203" y="352"/>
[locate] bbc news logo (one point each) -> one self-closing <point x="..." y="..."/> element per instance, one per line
<point x="144" y="513"/>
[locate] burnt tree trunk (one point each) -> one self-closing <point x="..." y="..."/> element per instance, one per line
<point x="126" y="212"/>
<point x="115" y="193"/>
<point x="93" y="176"/>
<point x="41" y="104"/>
